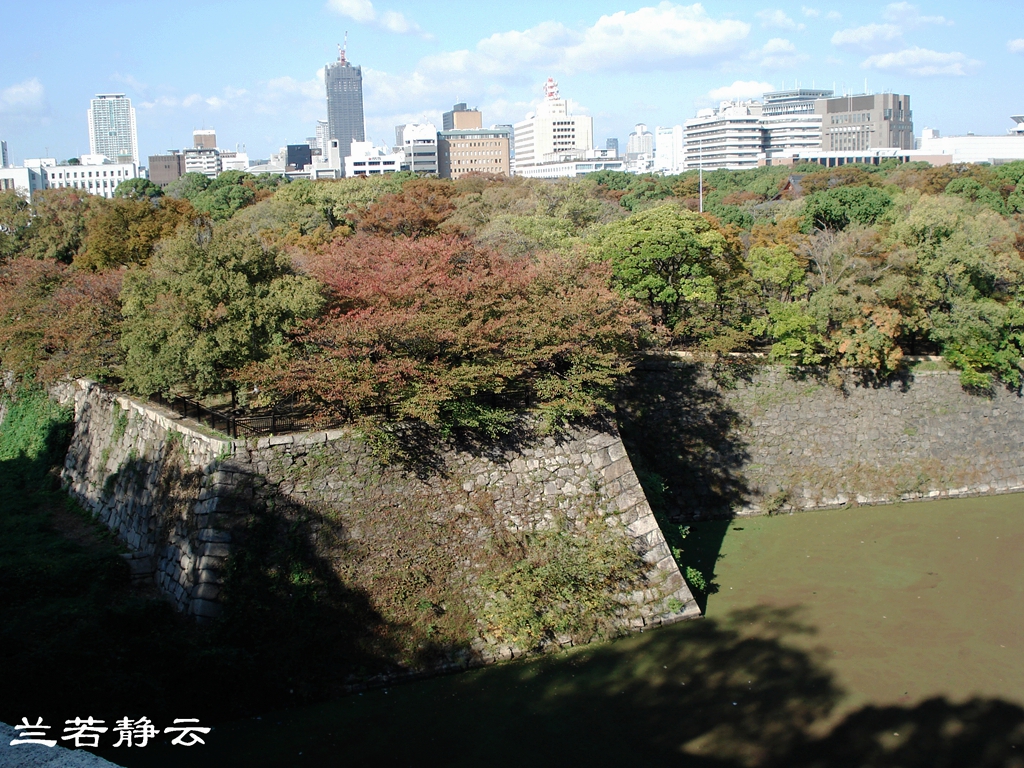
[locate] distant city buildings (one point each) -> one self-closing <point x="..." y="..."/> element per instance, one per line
<point x="552" y="129"/>
<point x="5" y="160"/>
<point x="112" y="128"/>
<point x="344" y="85"/>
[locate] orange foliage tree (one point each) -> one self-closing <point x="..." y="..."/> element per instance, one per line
<point x="56" y="321"/>
<point x="441" y="331"/>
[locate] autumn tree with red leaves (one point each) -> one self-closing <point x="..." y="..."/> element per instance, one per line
<point x="417" y="211"/>
<point x="56" y="321"/>
<point x="438" y="329"/>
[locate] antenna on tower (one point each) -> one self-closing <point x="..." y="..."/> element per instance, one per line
<point x="343" y="50"/>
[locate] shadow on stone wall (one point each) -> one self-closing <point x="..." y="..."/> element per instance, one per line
<point x="683" y="439"/>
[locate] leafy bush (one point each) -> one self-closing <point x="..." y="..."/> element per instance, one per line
<point x="572" y="581"/>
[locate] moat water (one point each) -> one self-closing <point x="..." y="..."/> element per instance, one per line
<point x="889" y="635"/>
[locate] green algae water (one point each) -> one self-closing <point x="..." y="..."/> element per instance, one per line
<point x="872" y="636"/>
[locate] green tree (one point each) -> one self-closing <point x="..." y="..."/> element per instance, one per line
<point x="207" y="304"/>
<point x="188" y="187"/>
<point x="15" y="216"/>
<point x="138" y="189"/>
<point x="674" y="261"/>
<point x="838" y="208"/>
<point x="57" y="228"/>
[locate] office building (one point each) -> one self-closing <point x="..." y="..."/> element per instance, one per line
<point x="321" y="136"/>
<point x="204" y="160"/>
<point x="473" y="150"/>
<point x="871" y="121"/>
<point x="112" y="128"/>
<point x="163" y="169"/>
<point x="461" y="118"/>
<point x="204" y="138"/>
<point x="367" y="160"/>
<point x="799" y="101"/>
<point x="5" y="159"/>
<point x="297" y="157"/>
<point x="344" y="84"/>
<point x="550" y="130"/>
<point x="94" y="174"/>
<point x="570" y="164"/>
<point x="613" y="145"/>
<point x="419" y="143"/>
<point x="669" y="149"/>
<point x="727" y="137"/>
<point x="788" y="133"/>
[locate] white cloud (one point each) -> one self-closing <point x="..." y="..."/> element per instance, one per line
<point x="24" y="97"/>
<point x="363" y="12"/>
<point x="811" y="13"/>
<point x="357" y="10"/>
<point x="1016" y="46"/>
<point x="909" y="15"/>
<point x="191" y="100"/>
<point x="130" y="81"/>
<point x="922" y="62"/>
<point x="778" y="53"/>
<point x="868" y="36"/>
<point x="652" y="38"/>
<point x="834" y="15"/>
<point x="741" y="89"/>
<point x="778" y="20"/>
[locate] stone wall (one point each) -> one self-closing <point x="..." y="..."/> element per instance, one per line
<point x="151" y="478"/>
<point x="750" y="440"/>
<point x="183" y="501"/>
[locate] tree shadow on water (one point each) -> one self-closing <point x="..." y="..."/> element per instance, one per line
<point x="715" y="693"/>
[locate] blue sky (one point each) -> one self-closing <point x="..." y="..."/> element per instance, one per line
<point x="252" y="70"/>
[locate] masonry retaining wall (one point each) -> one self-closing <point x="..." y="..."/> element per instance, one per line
<point x="181" y="499"/>
<point x="747" y="441"/>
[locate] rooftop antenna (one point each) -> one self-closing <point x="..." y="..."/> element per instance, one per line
<point x="343" y="50"/>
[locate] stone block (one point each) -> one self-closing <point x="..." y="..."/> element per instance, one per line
<point x="207" y="609"/>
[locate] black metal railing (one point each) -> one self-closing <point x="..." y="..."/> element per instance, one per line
<point x="249" y="425"/>
<point x="287" y="417"/>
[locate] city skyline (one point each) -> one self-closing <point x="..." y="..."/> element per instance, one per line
<point x="623" y="64"/>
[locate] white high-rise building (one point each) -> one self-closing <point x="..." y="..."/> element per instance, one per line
<point x="419" y="143"/>
<point x="640" y="142"/>
<point x="670" y="149"/>
<point x="112" y="128"/>
<point x="551" y="130"/>
<point x="728" y="137"/>
<point x="785" y="134"/>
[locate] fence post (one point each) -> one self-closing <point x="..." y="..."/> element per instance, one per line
<point x="273" y="422"/>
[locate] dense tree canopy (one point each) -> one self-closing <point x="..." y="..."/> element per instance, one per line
<point x="438" y="299"/>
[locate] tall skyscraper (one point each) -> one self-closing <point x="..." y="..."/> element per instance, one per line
<point x="112" y="128"/>
<point x="344" y="103"/>
<point x="4" y="159"/>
